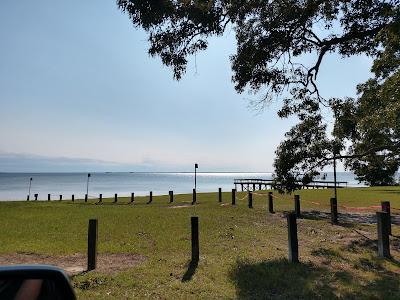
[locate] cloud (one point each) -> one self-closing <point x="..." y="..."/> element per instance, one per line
<point x="22" y="162"/>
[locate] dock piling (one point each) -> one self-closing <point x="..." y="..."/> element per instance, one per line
<point x="233" y="196"/>
<point x="270" y="203"/>
<point x="292" y="238"/>
<point x="92" y="245"/>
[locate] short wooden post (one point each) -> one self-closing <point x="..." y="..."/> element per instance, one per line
<point x="60" y="197"/>
<point x="171" y="196"/>
<point x="36" y="196"/>
<point x="73" y="197"/>
<point x="92" y="245"/>
<point x="150" y="198"/>
<point x="250" y="198"/>
<point x="100" y="198"/>
<point x="292" y="238"/>
<point x="194" y="200"/>
<point x="86" y="197"/>
<point x="386" y="208"/>
<point x="27" y="198"/>
<point x="115" y="198"/>
<point x="195" y="239"/>
<point x="297" y="205"/>
<point x="270" y="203"/>
<point x="383" y="234"/>
<point x="233" y="196"/>
<point x="48" y="197"/>
<point x="334" y="211"/>
<point x="132" y="197"/>
<point x="220" y="195"/>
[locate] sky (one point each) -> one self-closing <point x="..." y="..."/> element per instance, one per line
<point x="79" y="92"/>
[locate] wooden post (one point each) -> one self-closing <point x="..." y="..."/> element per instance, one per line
<point x="219" y="195"/>
<point x="36" y="196"/>
<point x="115" y="198"/>
<point x="92" y="245"/>
<point x="297" y="205"/>
<point x="171" y="196"/>
<point x="383" y="234"/>
<point x="150" y="198"/>
<point x="250" y="197"/>
<point x="86" y="197"/>
<point x="233" y="196"/>
<point x="48" y="197"/>
<point x="27" y="198"/>
<point x="292" y="238"/>
<point x="270" y="203"/>
<point x="254" y="186"/>
<point x="334" y="211"/>
<point x="194" y="197"/>
<point x="195" y="239"/>
<point x="132" y="197"/>
<point x="386" y="208"/>
<point x="73" y="197"/>
<point x="60" y="197"/>
<point x="100" y="198"/>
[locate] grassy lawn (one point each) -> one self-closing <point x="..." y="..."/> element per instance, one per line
<point x="242" y="251"/>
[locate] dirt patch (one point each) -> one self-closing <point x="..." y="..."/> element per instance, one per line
<point x="76" y="263"/>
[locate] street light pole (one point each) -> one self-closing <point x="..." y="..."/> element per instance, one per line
<point x="30" y="184"/>
<point x="87" y="185"/>
<point x="195" y="175"/>
<point x="334" y="173"/>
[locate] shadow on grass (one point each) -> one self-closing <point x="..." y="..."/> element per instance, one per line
<point x="190" y="271"/>
<point x="280" y="279"/>
<point x="327" y="253"/>
<point x="360" y="245"/>
<point x="315" y="215"/>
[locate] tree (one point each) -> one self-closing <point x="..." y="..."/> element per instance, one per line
<point x="371" y="123"/>
<point x="272" y="38"/>
<point x="270" y="35"/>
<point x="366" y="134"/>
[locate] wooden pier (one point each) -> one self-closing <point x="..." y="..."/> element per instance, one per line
<point x="264" y="184"/>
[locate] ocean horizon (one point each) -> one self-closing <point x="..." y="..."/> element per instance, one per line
<point x="15" y="186"/>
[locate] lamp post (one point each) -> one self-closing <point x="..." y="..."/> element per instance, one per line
<point x="334" y="173"/>
<point x="87" y="185"/>
<point x="195" y="175"/>
<point x="336" y="153"/>
<point x="29" y="191"/>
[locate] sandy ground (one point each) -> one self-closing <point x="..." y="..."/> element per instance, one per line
<point x="76" y="263"/>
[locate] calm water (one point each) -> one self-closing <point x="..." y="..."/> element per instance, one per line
<point x="14" y="186"/>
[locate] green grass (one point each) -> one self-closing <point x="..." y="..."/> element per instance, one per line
<point x="242" y="251"/>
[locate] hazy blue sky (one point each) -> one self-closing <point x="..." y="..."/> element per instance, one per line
<point x="77" y="88"/>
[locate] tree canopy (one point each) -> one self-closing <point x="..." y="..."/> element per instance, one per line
<point x="272" y="38"/>
<point x="366" y="134"/>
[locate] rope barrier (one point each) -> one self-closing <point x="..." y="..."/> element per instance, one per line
<point x="278" y="197"/>
<point x="240" y="199"/>
<point x="313" y="202"/>
<point x="357" y="208"/>
<point x="258" y="194"/>
<point x="327" y="205"/>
